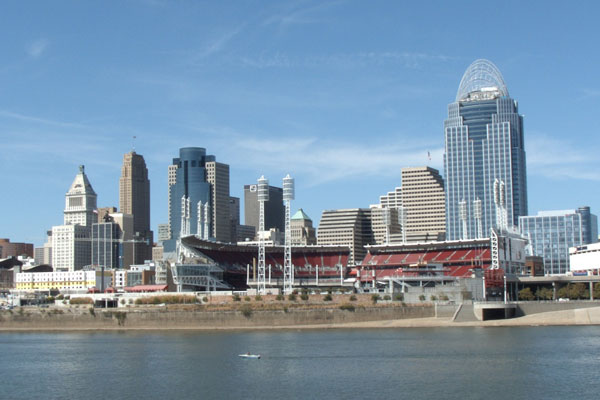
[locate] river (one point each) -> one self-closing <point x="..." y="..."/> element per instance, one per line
<point x="428" y="363"/>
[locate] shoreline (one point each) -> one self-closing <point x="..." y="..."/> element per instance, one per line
<point x="574" y="317"/>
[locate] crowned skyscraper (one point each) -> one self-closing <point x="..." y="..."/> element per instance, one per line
<point x="71" y="242"/>
<point x="484" y="145"/>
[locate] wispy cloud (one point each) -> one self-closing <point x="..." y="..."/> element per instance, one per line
<point x="299" y="13"/>
<point x="341" y="60"/>
<point x="320" y="160"/>
<point x="38" y="120"/>
<point x="37" y="48"/>
<point x="560" y="159"/>
<point x="217" y="43"/>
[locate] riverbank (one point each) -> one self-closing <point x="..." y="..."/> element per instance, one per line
<point x="190" y="318"/>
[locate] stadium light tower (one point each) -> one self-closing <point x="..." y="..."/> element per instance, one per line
<point x="263" y="196"/>
<point x="288" y="268"/>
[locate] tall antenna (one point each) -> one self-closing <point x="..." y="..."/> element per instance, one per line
<point x="263" y="196"/>
<point x="288" y="268"/>
<point x="133" y="144"/>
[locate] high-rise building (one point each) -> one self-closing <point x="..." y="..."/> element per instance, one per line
<point x="347" y="227"/>
<point x="134" y="199"/>
<point x="43" y="255"/>
<point x="274" y="208"/>
<point x="198" y="182"/>
<point x="302" y="231"/>
<point x="385" y="228"/>
<point x="391" y="199"/>
<point x="217" y="174"/>
<point x="552" y="233"/>
<point x="234" y="217"/>
<point x="484" y="145"/>
<point x="423" y="199"/>
<point x="71" y="242"/>
<point x="107" y="245"/>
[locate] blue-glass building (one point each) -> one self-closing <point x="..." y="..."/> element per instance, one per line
<point x="187" y="177"/>
<point x="483" y="143"/>
<point x="552" y="233"/>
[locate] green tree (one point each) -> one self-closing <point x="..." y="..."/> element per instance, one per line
<point x="597" y="290"/>
<point x="544" y="293"/>
<point x="526" y="294"/>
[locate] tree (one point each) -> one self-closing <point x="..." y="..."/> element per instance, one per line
<point x="544" y="293"/>
<point x="526" y="294"/>
<point x="574" y="292"/>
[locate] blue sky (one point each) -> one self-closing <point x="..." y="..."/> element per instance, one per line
<point x="339" y="94"/>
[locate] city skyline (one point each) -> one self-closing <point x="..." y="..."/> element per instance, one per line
<point x="336" y="94"/>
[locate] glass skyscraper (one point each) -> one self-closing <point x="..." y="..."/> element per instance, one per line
<point x="552" y="233"/>
<point x="189" y="180"/>
<point x="483" y="144"/>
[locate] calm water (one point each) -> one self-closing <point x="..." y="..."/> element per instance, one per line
<point x="444" y="363"/>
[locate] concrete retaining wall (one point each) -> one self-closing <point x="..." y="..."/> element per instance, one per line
<point x="165" y="319"/>
<point x="535" y="307"/>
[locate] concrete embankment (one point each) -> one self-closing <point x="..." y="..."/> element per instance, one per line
<point x="391" y="316"/>
<point x="164" y="318"/>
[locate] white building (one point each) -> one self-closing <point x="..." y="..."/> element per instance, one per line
<point x="585" y="259"/>
<point x="70" y="280"/>
<point x="71" y="242"/>
<point x="71" y="247"/>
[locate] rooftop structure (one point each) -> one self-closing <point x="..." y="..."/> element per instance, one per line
<point x="482" y="77"/>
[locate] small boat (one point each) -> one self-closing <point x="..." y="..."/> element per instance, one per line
<point x="248" y="355"/>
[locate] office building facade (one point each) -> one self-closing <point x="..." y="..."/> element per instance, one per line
<point x="424" y="200"/>
<point x="552" y="233"/>
<point x="347" y="227"/>
<point x="483" y="144"/>
<point x="274" y="208"/>
<point x="134" y="199"/>
<point x="14" y="249"/>
<point x="217" y="175"/>
<point x="107" y="246"/>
